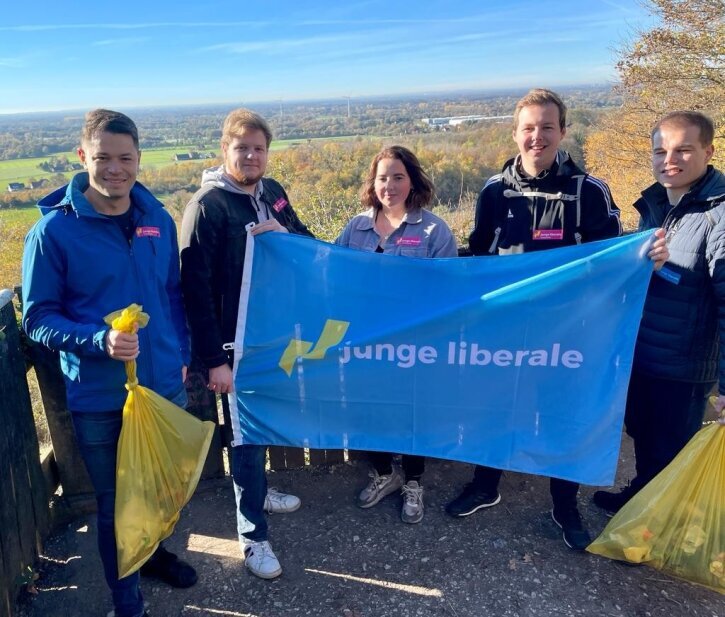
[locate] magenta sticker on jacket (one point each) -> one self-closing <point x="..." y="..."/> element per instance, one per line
<point x="153" y="232"/>
<point x="279" y="204"/>
<point x="548" y="234"/>
<point x="408" y="242"/>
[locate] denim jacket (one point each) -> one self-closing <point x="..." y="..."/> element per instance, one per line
<point x="421" y="234"/>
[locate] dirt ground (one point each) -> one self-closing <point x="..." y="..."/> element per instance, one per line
<point x="341" y="561"/>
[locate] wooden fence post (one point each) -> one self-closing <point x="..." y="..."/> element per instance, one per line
<point x="24" y="517"/>
<point x="78" y="493"/>
<point x="202" y="404"/>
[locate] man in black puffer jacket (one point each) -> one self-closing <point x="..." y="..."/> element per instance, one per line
<point x="678" y="358"/>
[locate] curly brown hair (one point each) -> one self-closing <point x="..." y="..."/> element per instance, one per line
<point x="421" y="186"/>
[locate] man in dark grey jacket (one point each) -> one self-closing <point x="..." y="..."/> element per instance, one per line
<point x="213" y="243"/>
<point x="678" y="358"/>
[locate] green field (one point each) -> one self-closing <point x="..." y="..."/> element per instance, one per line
<point x="14" y="224"/>
<point x="21" y="170"/>
<point x="23" y="217"/>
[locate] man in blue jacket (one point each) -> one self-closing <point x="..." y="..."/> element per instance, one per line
<point x="103" y="243"/>
<point x="679" y="355"/>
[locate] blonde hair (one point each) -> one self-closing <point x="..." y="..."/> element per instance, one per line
<point x="541" y="96"/>
<point x="239" y="119"/>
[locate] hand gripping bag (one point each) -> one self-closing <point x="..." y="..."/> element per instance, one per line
<point x="676" y="523"/>
<point x="161" y="453"/>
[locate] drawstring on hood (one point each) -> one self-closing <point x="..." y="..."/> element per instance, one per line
<point x="219" y="178"/>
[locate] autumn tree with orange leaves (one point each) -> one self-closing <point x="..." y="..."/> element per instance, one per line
<point x="679" y="64"/>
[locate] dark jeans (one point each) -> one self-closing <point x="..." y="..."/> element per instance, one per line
<point x="97" y="433"/>
<point x="563" y="492"/>
<point x="661" y="417"/>
<point x="250" y="489"/>
<point x="413" y="466"/>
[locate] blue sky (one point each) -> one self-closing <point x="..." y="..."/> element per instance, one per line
<point x="80" y="55"/>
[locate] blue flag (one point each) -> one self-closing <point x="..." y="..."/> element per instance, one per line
<point x="519" y="362"/>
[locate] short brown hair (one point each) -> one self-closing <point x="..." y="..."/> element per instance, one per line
<point x="421" y="186"/>
<point x="107" y="121"/>
<point x="239" y="119"/>
<point x="541" y="96"/>
<point x="688" y="118"/>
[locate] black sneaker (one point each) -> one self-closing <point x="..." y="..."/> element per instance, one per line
<point x="169" y="569"/>
<point x="470" y="500"/>
<point x="612" y="502"/>
<point x="576" y="537"/>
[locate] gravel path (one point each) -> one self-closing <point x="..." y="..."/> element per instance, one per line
<point x="341" y="561"/>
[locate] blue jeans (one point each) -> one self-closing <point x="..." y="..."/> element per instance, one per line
<point x="97" y="433"/>
<point x="250" y="489"/>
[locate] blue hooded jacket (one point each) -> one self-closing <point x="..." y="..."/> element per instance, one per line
<point x="78" y="267"/>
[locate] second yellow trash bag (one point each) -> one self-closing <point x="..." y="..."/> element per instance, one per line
<point x="676" y="523"/>
<point x="161" y="453"/>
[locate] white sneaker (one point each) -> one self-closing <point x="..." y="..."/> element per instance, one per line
<point x="261" y="560"/>
<point x="277" y="502"/>
<point x="412" y="511"/>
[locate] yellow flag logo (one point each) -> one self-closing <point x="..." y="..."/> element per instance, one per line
<point x="332" y="335"/>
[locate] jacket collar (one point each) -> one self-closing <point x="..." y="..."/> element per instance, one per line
<point x="412" y="217"/>
<point x="563" y="166"/>
<point x="708" y="188"/>
<point x="71" y="197"/>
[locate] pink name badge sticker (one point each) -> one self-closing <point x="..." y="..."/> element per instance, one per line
<point x="408" y="242"/>
<point x="279" y="204"/>
<point x="152" y="232"/>
<point x="548" y="234"/>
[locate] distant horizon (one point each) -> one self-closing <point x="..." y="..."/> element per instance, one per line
<point x="67" y="56"/>
<point x="512" y="91"/>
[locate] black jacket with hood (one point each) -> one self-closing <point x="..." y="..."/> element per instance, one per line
<point x="562" y="206"/>
<point x="213" y="243"/>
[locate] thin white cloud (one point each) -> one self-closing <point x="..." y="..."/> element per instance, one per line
<point x="129" y="40"/>
<point x="616" y="5"/>
<point x="139" y="26"/>
<point x="279" y="45"/>
<point x="12" y="63"/>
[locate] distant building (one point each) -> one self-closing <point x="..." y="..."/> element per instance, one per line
<point x="456" y="120"/>
<point x="193" y="156"/>
<point x="14" y="187"/>
<point x="38" y="184"/>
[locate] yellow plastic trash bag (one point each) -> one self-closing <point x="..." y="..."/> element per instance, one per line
<point x="676" y="523"/>
<point x="161" y="452"/>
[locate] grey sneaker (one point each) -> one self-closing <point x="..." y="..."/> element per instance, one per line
<point x="261" y="560"/>
<point x="379" y="487"/>
<point x="412" y="511"/>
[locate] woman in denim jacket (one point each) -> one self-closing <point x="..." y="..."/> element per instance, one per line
<point x="395" y="191"/>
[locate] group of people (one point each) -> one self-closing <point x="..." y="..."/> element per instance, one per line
<point x="104" y="242"/>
